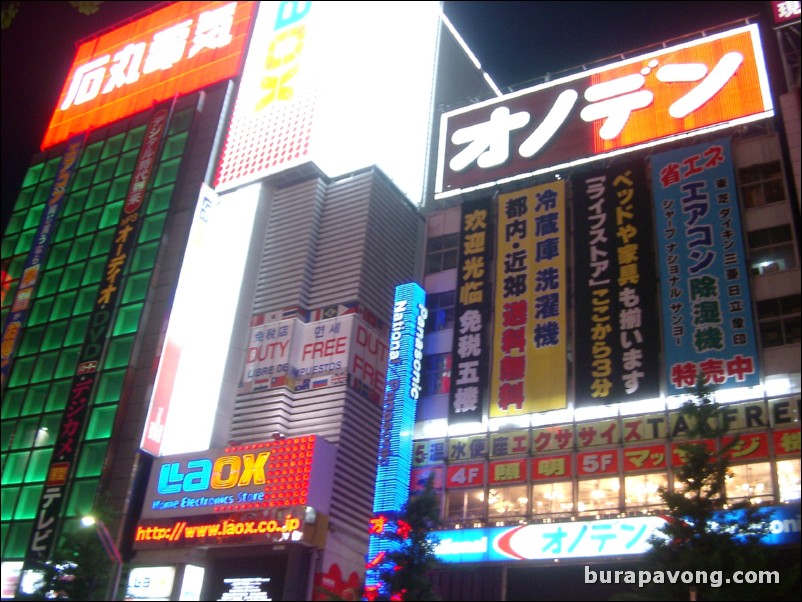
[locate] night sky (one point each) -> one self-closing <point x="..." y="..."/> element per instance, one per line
<point x="515" y="41"/>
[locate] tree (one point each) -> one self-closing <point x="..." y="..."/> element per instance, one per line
<point x="415" y="559"/>
<point x="703" y="530"/>
<point x="80" y="569"/>
<point x="10" y="10"/>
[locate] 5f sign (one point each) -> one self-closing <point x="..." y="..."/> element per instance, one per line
<point x="224" y="473"/>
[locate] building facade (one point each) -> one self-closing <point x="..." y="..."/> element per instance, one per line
<point x="201" y="299"/>
<point x="201" y="267"/>
<point x="566" y="323"/>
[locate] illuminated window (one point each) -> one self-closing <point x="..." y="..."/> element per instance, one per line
<point x="507" y="502"/>
<point x="598" y="497"/>
<point x="779" y="320"/>
<point x="761" y="184"/>
<point x="771" y="249"/>
<point x="465" y="507"/>
<point x="436" y="374"/>
<point x="788" y="479"/>
<point x="642" y="492"/>
<point x="752" y="482"/>
<point x="441" y="310"/>
<point x="552" y="498"/>
<point x="442" y="253"/>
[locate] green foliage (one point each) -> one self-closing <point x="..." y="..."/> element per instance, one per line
<point x="415" y="559"/>
<point x="81" y="569"/>
<point x="703" y="532"/>
<point x="10" y="10"/>
<point x="86" y="8"/>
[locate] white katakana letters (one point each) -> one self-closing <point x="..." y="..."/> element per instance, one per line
<point x="489" y="142"/>
<point x="167" y="47"/>
<point x="213" y="29"/>
<point x="546" y="130"/>
<point x="125" y="67"/>
<point x="615" y="100"/>
<point x="707" y="89"/>
<point x="86" y="82"/>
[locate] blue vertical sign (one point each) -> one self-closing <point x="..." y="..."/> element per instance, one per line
<point x="706" y="304"/>
<point x="401" y="392"/>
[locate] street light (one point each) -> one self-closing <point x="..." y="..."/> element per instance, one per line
<point x="111" y="551"/>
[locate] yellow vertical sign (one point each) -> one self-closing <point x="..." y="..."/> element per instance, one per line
<point x="529" y="366"/>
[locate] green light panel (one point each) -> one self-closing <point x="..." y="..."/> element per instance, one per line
<point x="45" y="360"/>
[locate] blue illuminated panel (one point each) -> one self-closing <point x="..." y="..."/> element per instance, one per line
<point x="401" y="393"/>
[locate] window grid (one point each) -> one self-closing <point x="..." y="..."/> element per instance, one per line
<point x="779" y="320"/>
<point x="761" y="184"/>
<point x="604" y="496"/>
<point x="49" y="348"/>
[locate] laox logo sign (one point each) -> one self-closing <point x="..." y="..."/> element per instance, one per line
<point x="226" y="472"/>
<point x="254" y="477"/>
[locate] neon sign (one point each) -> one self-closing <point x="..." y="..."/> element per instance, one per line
<point x="402" y="389"/>
<point x="179" y="49"/>
<point x="274" y="93"/>
<point x="275" y="474"/>
<point x="226" y="472"/>
<point x="270" y="525"/>
<point x="714" y="82"/>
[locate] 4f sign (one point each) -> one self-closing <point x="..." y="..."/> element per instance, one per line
<point x="466" y="475"/>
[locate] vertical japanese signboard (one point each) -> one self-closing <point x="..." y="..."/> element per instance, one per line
<point x="529" y="369"/>
<point x="16" y="318"/>
<point x="616" y="339"/>
<point x="707" y="310"/>
<point x="466" y="403"/>
<point x="68" y="438"/>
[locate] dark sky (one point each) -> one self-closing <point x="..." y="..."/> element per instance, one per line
<point x="514" y="41"/>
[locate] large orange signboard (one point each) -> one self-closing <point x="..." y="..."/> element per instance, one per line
<point x="179" y="49"/>
<point x="710" y="83"/>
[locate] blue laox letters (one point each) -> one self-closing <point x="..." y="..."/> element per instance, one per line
<point x="202" y="474"/>
<point x="172" y="480"/>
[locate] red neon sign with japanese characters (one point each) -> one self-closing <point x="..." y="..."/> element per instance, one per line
<point x="179" y="49"/>
<point x="715" y="81"/>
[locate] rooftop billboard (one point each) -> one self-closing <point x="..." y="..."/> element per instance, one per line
<point x="345" y="85"/>
<point x="176" y="50"/>
<point x="706" y="84"/>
